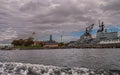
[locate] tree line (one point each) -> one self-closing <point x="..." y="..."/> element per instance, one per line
<point x="23" y="42"/>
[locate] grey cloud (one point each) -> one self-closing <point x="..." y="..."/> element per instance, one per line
<point x="55" y="16"/>
<point x="112" y="5"/>
<point x="34" y="6"/>
<point x="111" y="12"/>
<point x="62" y="13"/>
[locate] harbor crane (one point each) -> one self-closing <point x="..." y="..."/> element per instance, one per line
<point x="86" y="37"/>
<point x="88" y="30"/>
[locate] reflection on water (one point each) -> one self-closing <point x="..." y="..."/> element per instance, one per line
<point x="88" y="58"/>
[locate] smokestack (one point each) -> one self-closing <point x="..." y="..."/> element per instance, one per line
<point x="50" y="37"/>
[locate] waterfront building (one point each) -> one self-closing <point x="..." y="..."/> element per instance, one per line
<point x="6" y="46"/>
<point x="3" y="45"/>
<point x="38" y="43"/>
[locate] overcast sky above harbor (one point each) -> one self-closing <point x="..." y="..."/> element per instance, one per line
<point x="20" y="18"/>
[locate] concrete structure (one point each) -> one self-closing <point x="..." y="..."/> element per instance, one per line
<point x="51" y="45"/>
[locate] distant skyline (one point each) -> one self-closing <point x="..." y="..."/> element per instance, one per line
<point x="20" y="18"/>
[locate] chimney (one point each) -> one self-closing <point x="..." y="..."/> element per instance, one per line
<point x="51" y="38"/>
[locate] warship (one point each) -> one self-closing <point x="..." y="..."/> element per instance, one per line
<point x="104" y="38"/>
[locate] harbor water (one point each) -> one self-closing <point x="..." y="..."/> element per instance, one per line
<point x="59" y="62"/>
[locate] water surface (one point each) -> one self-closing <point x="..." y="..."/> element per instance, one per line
<point x="87" y="58"/>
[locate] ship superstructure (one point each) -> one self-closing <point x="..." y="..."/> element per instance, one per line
<point x="87" y="36"/>
<point x="102" y="37"/>
<point x="105" y="37"/>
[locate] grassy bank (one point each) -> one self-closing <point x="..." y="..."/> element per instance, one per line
<point x="28" y="47"/>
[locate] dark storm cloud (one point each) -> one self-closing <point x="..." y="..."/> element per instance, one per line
<point x="22" y="17"/>
<point x="111" y="12"/>
<point x="113" y="5"/>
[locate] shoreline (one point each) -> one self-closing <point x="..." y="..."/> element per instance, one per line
<point x="84" y="46"/>
<point x="81" y="46"/>
<point x="58" y="48"/>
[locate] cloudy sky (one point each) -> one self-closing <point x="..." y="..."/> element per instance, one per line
<point x="20" y="18"/>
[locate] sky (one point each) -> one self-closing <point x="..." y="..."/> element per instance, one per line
<point x="20" y="18"/>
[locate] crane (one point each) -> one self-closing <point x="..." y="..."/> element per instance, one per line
<point x="88" y="29"/>
<point x="86" y="37"/>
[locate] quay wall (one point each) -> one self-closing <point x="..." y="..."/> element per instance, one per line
<point x="112" y="45"/>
